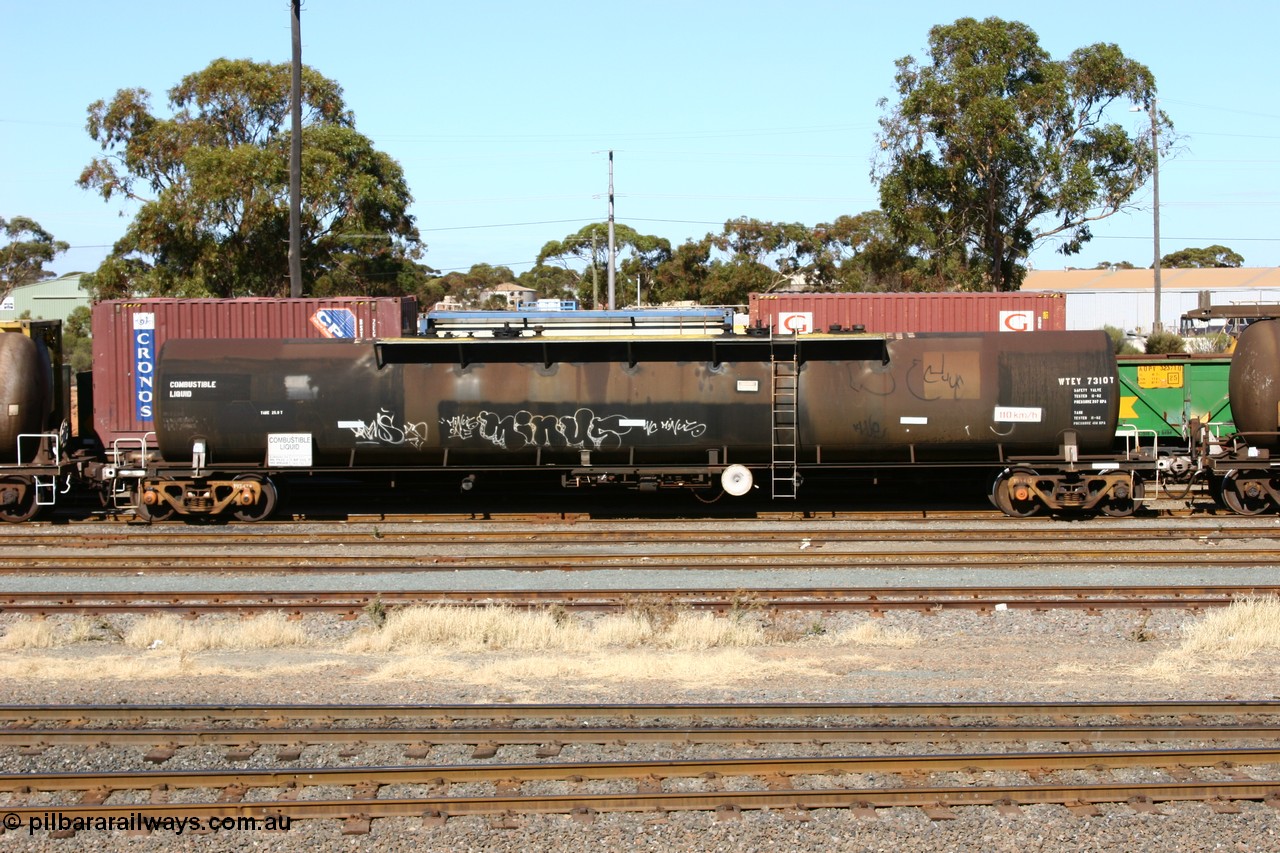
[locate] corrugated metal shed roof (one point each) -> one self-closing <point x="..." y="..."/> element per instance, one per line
<point x="1172" y="279"/>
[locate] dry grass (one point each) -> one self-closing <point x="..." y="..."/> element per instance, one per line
<point x="463" y="629"/>
<point x="38" y="634"/>
<point x="268" y="631"/>
<point x="48" y="634"/>
<point x="1246" y="627"/>
<point x="502" y="648"/>
<point x="873" y="634"/>
<point x="1223" y="638"/>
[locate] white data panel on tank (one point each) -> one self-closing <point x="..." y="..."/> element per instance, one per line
<point x="289" y="449"/>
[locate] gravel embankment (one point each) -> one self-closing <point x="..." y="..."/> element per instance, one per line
<point x="951" y="656"/>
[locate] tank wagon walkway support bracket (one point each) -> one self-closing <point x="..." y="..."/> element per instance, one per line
<point x="786" y="387"/>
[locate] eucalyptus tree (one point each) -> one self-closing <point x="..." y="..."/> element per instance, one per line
<point x="993" y="147"/>
<point x="1209" y="256"/>
<point x="210" y="181"/>
<point x="23" y="257"/>
<point x="637" y="255"/>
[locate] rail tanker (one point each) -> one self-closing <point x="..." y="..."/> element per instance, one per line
<point x="735" y="413"/>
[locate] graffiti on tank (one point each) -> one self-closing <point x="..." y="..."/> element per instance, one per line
<point x="938" y="375"/>
<point x="693" y="429"/>
<point x="878" y="384"/>
<point x="869" y="428"/>
<point x="942" y="376"/>
<point x="384" y="430"/>
<point x="582" y="430"/>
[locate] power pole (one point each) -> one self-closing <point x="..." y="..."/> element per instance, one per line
<point x="295" y="158"/>
<point x="1155" y="198"/>
<point x="612" y="278"/>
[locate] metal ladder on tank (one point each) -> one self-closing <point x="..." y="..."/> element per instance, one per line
<point x="786" y="376"/>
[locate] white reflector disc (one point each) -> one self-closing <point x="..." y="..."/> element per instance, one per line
<point x="736" y="480"/>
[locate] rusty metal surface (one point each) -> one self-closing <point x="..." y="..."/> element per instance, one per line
<point x="1253" y="387"/>
<point x="234" y="394"/>
<point x="892" y="313"/>
<point x="24" y="391"/>
<point x="825" y="765"/>
<point x="422" y="737"/>
<point x="537" y="402"/>
<point x="128" y="334"/>
<point x="867" y="599"/>
<point x="962" y="396"/>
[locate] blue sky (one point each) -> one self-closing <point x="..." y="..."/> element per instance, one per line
<point x="501" y="112"/>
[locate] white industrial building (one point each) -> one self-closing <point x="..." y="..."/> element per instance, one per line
<point x="51" y="299"/>
<point x="1126" y="298"/>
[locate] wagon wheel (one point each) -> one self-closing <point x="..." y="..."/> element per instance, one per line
<point x="1008" y="501"/>
<point x="1243" y="496"/>
<point x="266" y="503"/>
<point x="158" y="512"/>
<point x="25" y="508"/>
<point x="1124" y="507"/>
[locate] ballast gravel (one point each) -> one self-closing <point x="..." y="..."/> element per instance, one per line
<point x="1008" y="656"/>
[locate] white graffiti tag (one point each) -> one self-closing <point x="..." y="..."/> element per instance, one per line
<point x="674" y="426"/>
<point x="384" y="430"/>
<point x="583" y="430"/>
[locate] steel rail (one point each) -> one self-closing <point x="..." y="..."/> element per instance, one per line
<point x="248" y="740"/>
<point x="609" y="533"/>
<point x="815" y="559"/>
<point x="876" y="600"/>
<point x="1040" y="762"/>
<point x="864" y="800"/>
<point x="84" y="715"/>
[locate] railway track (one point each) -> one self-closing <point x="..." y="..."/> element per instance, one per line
<point x="445" y="532"/>
<point x="629" y="546"/>
<point x="1244" y="556"/>
<point x="876" y="601"/>
<point x="1158" y="754"/>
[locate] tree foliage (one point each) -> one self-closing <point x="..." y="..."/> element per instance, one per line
<point x="551" y="282"/>
<point x="463" y="287"/>
<point x="994" y="147"/>
<point x="1165" y="343"/>
<point x="1120" y="341"/>
<point x="637" y="257"/>
<point x="853" y="253"/>
<point x="29" y="248"/>
<point x="212" y="182"/>
<point x="1208" y="257"/>
<point x="77" y="339"/>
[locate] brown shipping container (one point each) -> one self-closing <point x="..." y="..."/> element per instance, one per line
<point x="129" y="333"/>
<point x="890" y="313"/>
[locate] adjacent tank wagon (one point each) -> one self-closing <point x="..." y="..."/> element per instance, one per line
<point x="1242" y="466"/>
<point x="32" y="409"/>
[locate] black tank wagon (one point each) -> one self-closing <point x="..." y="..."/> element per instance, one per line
<point x="1243" y="467"/>
<point x="32" y="409"/>
<point x="731" y="411"/>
